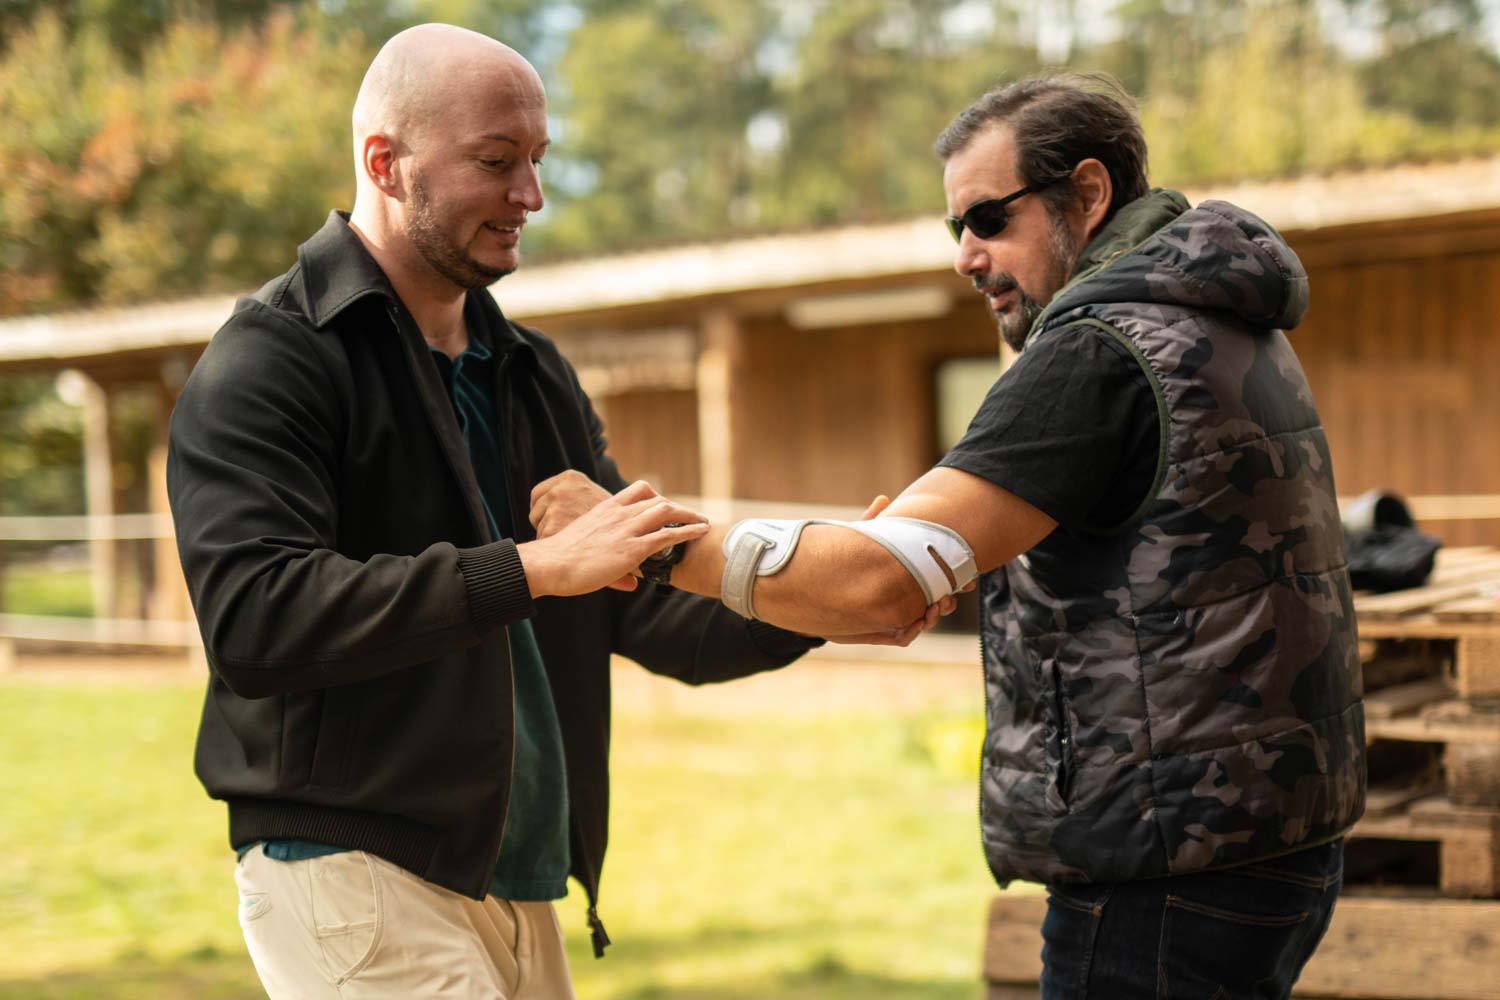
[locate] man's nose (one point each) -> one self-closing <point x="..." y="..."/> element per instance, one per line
<point x="970" y="258"/>
<point x="528" y="192"/>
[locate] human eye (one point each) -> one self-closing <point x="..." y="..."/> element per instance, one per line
<point x="491" y="164"/>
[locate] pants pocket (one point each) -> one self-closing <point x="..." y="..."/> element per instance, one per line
<point x="253" y="906"/>
<point x="1070" y="930"/>
<point x="346" y="912"/>
<point x="1226" y="952"/>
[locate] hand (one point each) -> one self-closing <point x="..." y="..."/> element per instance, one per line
<point x="602" y="546"/>
<point x="901" y="636"/>
<point x="563" y="499"/>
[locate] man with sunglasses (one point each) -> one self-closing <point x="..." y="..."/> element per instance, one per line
<point x="1175" y="732"/>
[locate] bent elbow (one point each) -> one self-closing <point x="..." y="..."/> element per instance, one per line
<point x="894" y="601"/>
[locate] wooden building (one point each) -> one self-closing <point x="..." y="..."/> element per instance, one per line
<point x="832" y="365"/>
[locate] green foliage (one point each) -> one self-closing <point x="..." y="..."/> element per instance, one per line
<point x="41" y="449"/>
<point x="200" y="169"/>
<point x="173" y="147"/>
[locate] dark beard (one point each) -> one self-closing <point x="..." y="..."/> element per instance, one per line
<point x="1062" y="255"/>
<point x="450" y="261"/>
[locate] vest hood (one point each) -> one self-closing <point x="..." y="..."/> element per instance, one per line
<point x="1217" y="256"/>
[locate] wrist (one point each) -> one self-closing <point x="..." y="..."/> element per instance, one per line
<point x="538" y="566"/>
<point x="701" y="565"/>
<point x="657" y="567"/>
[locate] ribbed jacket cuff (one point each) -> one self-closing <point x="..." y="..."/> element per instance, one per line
<point x="496" y="581"/>
<point x="778" y="643"/>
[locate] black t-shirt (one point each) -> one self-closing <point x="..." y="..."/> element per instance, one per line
<point x="1071" y="427"/>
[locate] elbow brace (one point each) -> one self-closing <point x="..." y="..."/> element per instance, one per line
<point x="763" y="546"/>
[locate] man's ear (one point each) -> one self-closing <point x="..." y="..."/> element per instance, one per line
<point x="1092" y="194"/>
<point x="381" y="165"/>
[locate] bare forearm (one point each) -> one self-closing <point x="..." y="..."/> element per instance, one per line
<point x="838" y="583"/>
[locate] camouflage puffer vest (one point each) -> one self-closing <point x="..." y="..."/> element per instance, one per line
<point x="1183" y="691"/>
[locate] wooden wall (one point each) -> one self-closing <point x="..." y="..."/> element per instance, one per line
<point x="1401" y="345"/>
<point x="838" y="416"/>
<point x="654" y="436"/>
<point x="1403" y="352"/>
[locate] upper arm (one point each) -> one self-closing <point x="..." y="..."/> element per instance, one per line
<point x="997" y="524"/>
<point x="253" y="437"/>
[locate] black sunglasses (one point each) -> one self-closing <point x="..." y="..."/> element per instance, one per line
<point x="988" y="219"/>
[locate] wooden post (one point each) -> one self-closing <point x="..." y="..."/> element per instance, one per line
<point x="168" y="600"/>
<point x="719" y="357"/>
<point x="99" y="490"/>
<point x="1478" y="665"/>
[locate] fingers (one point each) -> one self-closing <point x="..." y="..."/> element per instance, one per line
<point x="658" y="511"/>
<point x="877" y="505"/>
<point x="635" y="492"/>
<point x="664" y="537"/>
<point x="544" y="487"/>
<point x="538" y="509"/>
<point x="626" y="582"/>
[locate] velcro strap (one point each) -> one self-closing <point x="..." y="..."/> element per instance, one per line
<point x="737" y="586"/>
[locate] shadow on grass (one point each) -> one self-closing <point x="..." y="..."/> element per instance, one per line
<point x="821" y="974"/>
<point x="826" y="979"/>
<point x="207" y="974"/>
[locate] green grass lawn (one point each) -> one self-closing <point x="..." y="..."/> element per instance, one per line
<point x="34" y="588"/>
<point x="758" y="856"/>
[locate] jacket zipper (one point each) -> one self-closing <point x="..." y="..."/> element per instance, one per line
<point x="1064" y="736"/>
<point x="984" y="685"/>
<point x="598" y="937"/>
<point x="510" y="657"/>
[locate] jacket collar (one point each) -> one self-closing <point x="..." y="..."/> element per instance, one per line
<point x="337" y="271"/>
<point x="1131" y="226"/>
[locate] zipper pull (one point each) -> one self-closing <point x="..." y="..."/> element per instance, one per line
<point x="597" y="933"/>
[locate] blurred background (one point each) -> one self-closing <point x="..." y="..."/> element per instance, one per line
<point x="743" y="254"/>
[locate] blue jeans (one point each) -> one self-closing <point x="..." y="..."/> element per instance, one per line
<point x="1240" y="933"/>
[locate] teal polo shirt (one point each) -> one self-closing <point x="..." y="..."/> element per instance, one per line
<point x="534" y="853"/>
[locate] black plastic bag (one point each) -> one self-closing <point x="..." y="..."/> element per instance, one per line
<point x="1386" y="551"/>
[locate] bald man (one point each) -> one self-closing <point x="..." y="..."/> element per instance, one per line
<point x="408" y="703"/>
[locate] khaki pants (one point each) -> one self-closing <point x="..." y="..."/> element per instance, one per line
<point x="351" y="926"/>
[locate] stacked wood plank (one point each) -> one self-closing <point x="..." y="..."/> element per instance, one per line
<point x="1420" y="913"/>
<point x="1432" y="709"/>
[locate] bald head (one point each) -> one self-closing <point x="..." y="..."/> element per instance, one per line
<point x="433" y="76"/>
<point x="450" y="129"/>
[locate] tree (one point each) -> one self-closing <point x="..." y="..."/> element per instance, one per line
<point x="197" y="170"/>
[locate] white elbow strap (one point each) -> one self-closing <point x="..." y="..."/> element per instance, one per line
<point x="763" y="546"/>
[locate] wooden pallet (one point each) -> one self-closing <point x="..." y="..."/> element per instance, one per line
<point x="1466" y="731"/>
<point x="1467" y="838"/>
<point x="1458" y="611"/>
<point x="1379" y="946"/>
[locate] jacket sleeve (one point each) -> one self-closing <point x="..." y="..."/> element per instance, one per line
<point x="253" y="450"/>
<point x="691" y="638"/>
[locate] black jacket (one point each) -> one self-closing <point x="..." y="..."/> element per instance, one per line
<point x="352" y="601"/>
